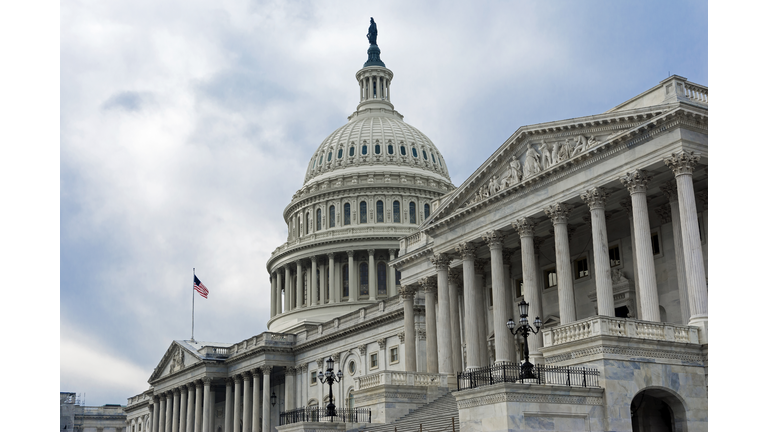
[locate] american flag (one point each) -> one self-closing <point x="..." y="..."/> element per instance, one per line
<point x="200" y="288"/>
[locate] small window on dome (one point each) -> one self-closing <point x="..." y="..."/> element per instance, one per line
<point x="341" y="153"/>
<point x="379" y="211"/>
<point x="396" y="211"/>
<point x="377" y="149"/>
<point x="433" y="157"/>
<point x="402" y="150"/>
<point x="351" y="151"/>
<point x="424" y="152"/>
<point x="314" y="163"/>
<point x="347" y="214"/>
<point x="440" y="162"/>
<point x="390" y="149"/>
<point x="412" y="212"/>
<point x="426" y="211"/>
<point x="363" y="212"/>
<point x="332" y="217"/>
<point x="330" y="153"/>
<point x="415" y="153"/>
<point x="364" y="150"/>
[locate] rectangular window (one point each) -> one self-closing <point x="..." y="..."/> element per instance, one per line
<point x="656" y="243"/>
<point x="490" y="296"/>
<point x="550" y="277"/>
<point x="580" y="268"/>
<point x="393" y="358"/>
<point x="313" y="379"/>
<point x="519" y="292"/>
<point x="614" y="256"/>
<point x="374" y="361"/>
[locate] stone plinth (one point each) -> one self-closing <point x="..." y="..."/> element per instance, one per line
<point x="389" y="402"/>
<point x="313" y="427"/>
<point x="530" y="407"/>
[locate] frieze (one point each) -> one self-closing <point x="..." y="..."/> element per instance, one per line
<point x="628" y="352"/>
<point x="529" y="398"/>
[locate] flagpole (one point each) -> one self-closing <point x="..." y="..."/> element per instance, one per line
<point x="193" y="304"/>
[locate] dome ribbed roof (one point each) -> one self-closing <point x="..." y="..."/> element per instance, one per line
<point x="358" y="141"/>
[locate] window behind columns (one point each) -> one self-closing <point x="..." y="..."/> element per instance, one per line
<point x="381" y="278"/>
<point x="396" y="211"/>
<point x="318" y="219"/>
<point x="363" y="279"/>
<point x="412" y="211"/>
<point x="379" y="211"/>
<point x="332" y="217"/>
<point x="306" y="224"/>
<point x="347" y="211"/>
<point x="363" y="212"/>
<point x="345" y="279"/>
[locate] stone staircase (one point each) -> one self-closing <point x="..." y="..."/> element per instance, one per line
<point x="433" y="417"/>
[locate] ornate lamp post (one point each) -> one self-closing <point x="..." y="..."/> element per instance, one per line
<point x="273" y="399"/>
<point x="330" y="378"/>
<point x="525" y="329"/>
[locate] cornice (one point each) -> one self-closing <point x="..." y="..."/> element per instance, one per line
<point x="372" y="322"/>
<point x="411" y="256"/>
<point x="348" y="240"/>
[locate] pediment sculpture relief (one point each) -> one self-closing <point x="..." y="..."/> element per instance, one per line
<point x="177" y="362"/>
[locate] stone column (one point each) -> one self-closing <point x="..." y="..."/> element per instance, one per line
<point x="455" y="316"/>
<point x="321" y="284"/>
<point x="246" y="403"/>
<point x="670" y="190"/>
<point x="266" y="424"/>
<point x="567" y="302"/>
<point x="273" y="296"/>
<point x="312" y="292"/>
<point x="382" y="353"/>
<point x="331" y="279"/>
<point x="183" y="410"/>
<point x="372" y="290"/>
<point x="626" y="204"/>
<point x="191" y="395"/>
<point x="238" y="403"/>
<point x="481" y="309"/>
<point x="339" y="281"/>
<point x="471" y="315"/>
<point x="279" y="302"/>
<point x="595" y="199"/>
<point x="207" y="403"/>
<point x="256" y="408"/>
<point x="682" y="164"/>
<point x="171" y="408"/>
<point x="290" y="387"/>
<point x="502" y="336"/>
<point x="353" y="290"/>
<point x="444" y="336"/>
<point x="228" y="407"/>
<point x="161" y="419"/>
<point x="525" y="228"/>
<point x="636" y="182"/>
<point x="198" y="406"/>
<point x="156" y="413"/>
<point x="391" y="276"/>
<point x="212" y="414"/>
<point x="509" y="289"/>
<point x="299" y="285"/>
<point x="429" y="305"/>
<point x="406" y="293"/>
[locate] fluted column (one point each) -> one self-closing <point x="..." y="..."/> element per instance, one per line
<point x="391" y="287"/>
<point x="636" y="182"/>
<point x="266" y="424"/>
<point x="321" y="283"/>
<point x="682" y="164"/>
<point x="670" y="190"/>
<point x="595" y="199"/>
<point x="198" y="406"/>
<point x="471" y="316"/>
<point x="182" y="410"/>
<point x="273" y="296"/>
<point x="430" y="288"/>
<point x="282" y="283"/>
<point x="228" y="407"/>
<point x="509" y="289"/>
<point x="314" y="294"/>
<point x="502" y="336"/>
<point x="444" y="330"/>
<point x="299" y="285"/>
<point x="558" y="213"/>
<point x="256" y="408"/>
<point x="207" y="403"/>
<point x="247" y="411"/>
<point x="353" y="289"/>
<point x="156" y="413"/>
<point x="189" y="423"/>
<point x="172" y="411"/>
<point x="481" y="306"/>
<point x="238" y="403"/>
<point x="525" y="228"/>
<point x="406" y="293"/>
<point x="331" y="279"/>
<point x="161" y="420"/>
<point x="455" y="315"/>
<point x="290" y="387"/>
<point x="372" y="289"/>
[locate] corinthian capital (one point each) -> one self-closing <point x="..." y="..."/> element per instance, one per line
<point x="454" y="277"/>
<point x="635" y="181"/>
<point x="363" y="349"/>
<point x="466" y="251"/>
<point x="595" y="198"/>
<point x="525" y="227"/>
<point x="266" y="370"/>
<point x="670" y="190"/>
<point x="493" y="239"/>
<point x="664" y="213"/>
<point x="407" y="292"/>
<point x="290" y="370"/>
<point x="480" y="266"/>
<point x="440" y="261"/>
<point x="382" y="343"/>
<point x="683" y="162"/>
<point x="558" y="212"/>
<point x="429" y="284"/>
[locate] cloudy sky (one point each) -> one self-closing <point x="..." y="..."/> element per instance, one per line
<point x="186" y="126"/>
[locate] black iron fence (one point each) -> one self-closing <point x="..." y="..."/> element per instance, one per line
<point x="512" y="373"/>
<point x="320" y="414"/>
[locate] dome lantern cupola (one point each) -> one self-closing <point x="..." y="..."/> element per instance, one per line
<point x="374" y="78"/>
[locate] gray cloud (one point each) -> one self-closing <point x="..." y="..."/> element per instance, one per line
<point x="127" y="100"/>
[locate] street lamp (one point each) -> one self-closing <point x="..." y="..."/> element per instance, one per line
<point x="273" y="399"/>
<point x="525" y="329"/>
<point x="330" y="378"/>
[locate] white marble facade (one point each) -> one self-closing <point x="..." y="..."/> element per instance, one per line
<point x="597" y="216"/>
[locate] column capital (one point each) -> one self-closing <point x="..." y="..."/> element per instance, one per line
<point x="480" y="266"/>
<point x="229" y="381"/>
<point x="703" y="197"/>
<point x="382" y="343"/>
<point x="407" y="292"/>
<point x="319" y="362"/>
<point x="255" y="372"/>
<point x="290" y="370"/>
<point x="626" y="204"/>
<point x="336" y="357"/>
<point x="664" y="213"/>
<point x="466" y="251"/>
<point x="670" y="190"/>
<point x="266" y="369"/>
<point x="429" y="284"/>
<point x="392" y="252"/>
<point x="440" y="261"/>
<point x="506" y="256"/>
<point x="682" y="163"/>
<point x="238" y="378"/>
<point x="525" y="227"/>
<point x="176" y="391"/>
<point x="207" y="380"/>
<point x="636" y="181"/>
<point x="401" y="335"/>
<point x="454" y="277"/>
<point x="351" y="253"/>
<point x="331" y="256"/>
<point x="595" y="198"/>
<point x="371" y="252"/>
<point x="493" y="239"/>
<point x="363" y="349"/>
<point x="537" y="242"/>
<point x="313" y="258"/>
<point x="558" y="212"/>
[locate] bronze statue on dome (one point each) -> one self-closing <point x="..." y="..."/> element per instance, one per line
<point x="372" y="32"/>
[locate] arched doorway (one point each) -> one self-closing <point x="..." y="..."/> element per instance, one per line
<point x="657" y="410"/>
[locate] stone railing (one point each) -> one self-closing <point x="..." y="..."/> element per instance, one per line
<point x="419" y="379"/>
<point x="619" y="327"/>
<point x="138" y="399"/>
<point x="413" y="242"/>
<point x="696" y="93"/>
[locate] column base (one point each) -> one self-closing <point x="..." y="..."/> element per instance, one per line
<point x="702" y="322"/>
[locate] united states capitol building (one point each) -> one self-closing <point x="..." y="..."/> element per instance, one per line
<point x="406" y="282"/>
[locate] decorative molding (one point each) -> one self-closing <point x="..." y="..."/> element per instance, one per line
<point x="595" y="198"/>
<point x="628" y="352"/>
<point x="529" y="398"/>
<point x="682" y="163"/>
<point x="382" y="343"/>
<point x="494" y="239"/>
<point x="636" y="181"/>
<point x="525" y="227"/>
<point x="440" y="261"/>
<point x="401" y="336"/>
<point x="558" y="212"/>
<point x="429" y="284"/>
<point x="363" y="349"/>
<point x="466" y="251"/>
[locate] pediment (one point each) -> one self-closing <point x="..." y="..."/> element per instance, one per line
<point x="176" y="358"/>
